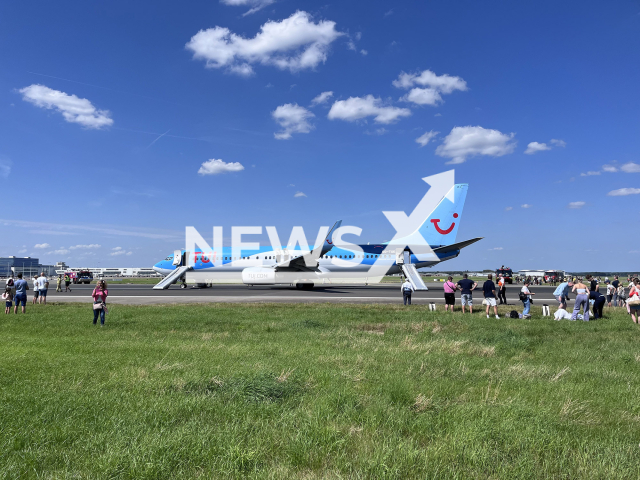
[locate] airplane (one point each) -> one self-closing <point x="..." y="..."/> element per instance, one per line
<point x="266" y="266"/>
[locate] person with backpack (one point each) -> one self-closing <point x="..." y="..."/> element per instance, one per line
<point x="449" y="294"/>
<point x="525" y="298"/>
<point x="407" y="289"/>
<point x="100" y="302"/>
<point x="633" y="303"/>
<point x="489" y="291"/>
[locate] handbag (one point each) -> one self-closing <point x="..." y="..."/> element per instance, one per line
<point x="633" y="301"/>
<point x="98" y="306"/>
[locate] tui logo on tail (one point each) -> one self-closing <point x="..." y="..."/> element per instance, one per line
<point x="435" y="222"/>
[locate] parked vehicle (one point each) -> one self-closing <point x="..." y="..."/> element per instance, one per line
<point x="83" y="276"/>
<point x="551" y="276"/>
<point x="507" y="273"/>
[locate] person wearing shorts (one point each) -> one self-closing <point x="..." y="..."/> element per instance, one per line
<point x="20" y="297"/>
<point x="43" y="286"/>
<point x="562" y="294"/>
<point x="67" y="282"/>
<point x="489" y="291"/>
<point x="7" y="296"/>
<point x="36" y="291"/>
<point x="449" y="294"/>
<point x="466" y="287"/>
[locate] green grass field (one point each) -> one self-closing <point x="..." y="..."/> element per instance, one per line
<point x="315" y="391"/>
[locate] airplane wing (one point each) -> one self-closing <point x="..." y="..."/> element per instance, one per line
<point x="457" y="246"/>
<point x="309" y="261"/>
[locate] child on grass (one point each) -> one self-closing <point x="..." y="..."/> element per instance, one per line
<point x="7" y="296"/>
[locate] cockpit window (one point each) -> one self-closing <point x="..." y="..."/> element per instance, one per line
<point x="170" y="257"/>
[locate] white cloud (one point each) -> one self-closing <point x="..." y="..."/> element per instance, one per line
<point x="624" y="191"/>
<point x="117" y="248"/>
<point x="609" y="168"/>
<point x="364" y="52"/>
<point x="497" y="248"/>
<point x="427" y="87"/>
<point x="299" y="194"/>
<point x="294" y="44"/>
<point x="534" y="147"/>
<point x="216" y="167"/>
<point x="293" y="119"/>
<point x="41" y="245"/>
<point x="5" y="167"/>
<point x="84" y="247"/>
<point x="377" y="131"/>
<point x="118" y="252"/>
<point x="590" y="173"/>
<point x="357" y="108"/>
<point x="630" y="168"/>
<point x="558" y="143"/>
<point x="322" y="98"/>
<point x="426" y="137"/>
<point x="255" y="5"/>
<point x="438" y="115"/>
<point x="526" y="205"/>
<point x="62" y="251"/>
<point x="469" y="141"/>
<point x="72" y="108"/>
<point x="576" y="205"/>
<point x="129" y="253"/>
<point x="508" y="208"/>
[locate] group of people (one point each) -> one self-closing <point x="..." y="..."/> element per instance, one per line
<point x="588" y="297"/>
<point x="15" y="293"/>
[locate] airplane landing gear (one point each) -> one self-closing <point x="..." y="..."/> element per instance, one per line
<point x="304" y="286"/>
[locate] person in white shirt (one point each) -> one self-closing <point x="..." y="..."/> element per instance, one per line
<point x="43" y="286"/>
<point x="407" y="289"/>
<point x="36" y="291"/>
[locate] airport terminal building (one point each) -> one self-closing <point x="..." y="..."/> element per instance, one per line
<point x="31" y="267"/>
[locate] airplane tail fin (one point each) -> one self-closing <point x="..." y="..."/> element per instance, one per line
<point x="441" y="226"/>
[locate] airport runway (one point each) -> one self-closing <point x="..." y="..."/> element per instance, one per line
<point x="379" y="293"/>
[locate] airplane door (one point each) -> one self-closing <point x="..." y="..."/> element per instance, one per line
<point x="177" y="258"/>
<point x="407" y="257"/>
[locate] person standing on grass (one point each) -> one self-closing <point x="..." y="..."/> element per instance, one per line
<point x="11" y="282"/>
<point x="36" y="290"/>
<point x="562" y="294"/>
<point x="7" y="296"/>
<point x="634" y="296"/>
<point x="20" y="296"/>
<point x="616" y="284"/>
<point x="526" y="298"/>
<point x="100" y="298"/>
<point x="610" y="293"/>
<point x="466" y="288"/>
<point x="582" y="300"/>
<point x="59" y="284"/>
<point x="489" y="291"/>
<point x="621" y="295"/>
<point x="449" y="294"/>
<point x="43" y="286"/>
<point x="407" y="289"/>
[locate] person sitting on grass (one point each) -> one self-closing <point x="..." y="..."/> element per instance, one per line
<point x="7" y="296"/>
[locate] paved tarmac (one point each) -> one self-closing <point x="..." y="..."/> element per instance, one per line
<point x="379" y="293"/>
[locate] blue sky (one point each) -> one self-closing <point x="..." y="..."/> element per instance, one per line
<point x="87" y="91"/>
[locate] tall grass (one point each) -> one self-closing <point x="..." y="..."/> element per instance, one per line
<point x="315" y="391"/>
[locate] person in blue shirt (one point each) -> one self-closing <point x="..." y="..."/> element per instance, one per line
<point x="562" y="294"/>
<point x="21" y="293"/>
